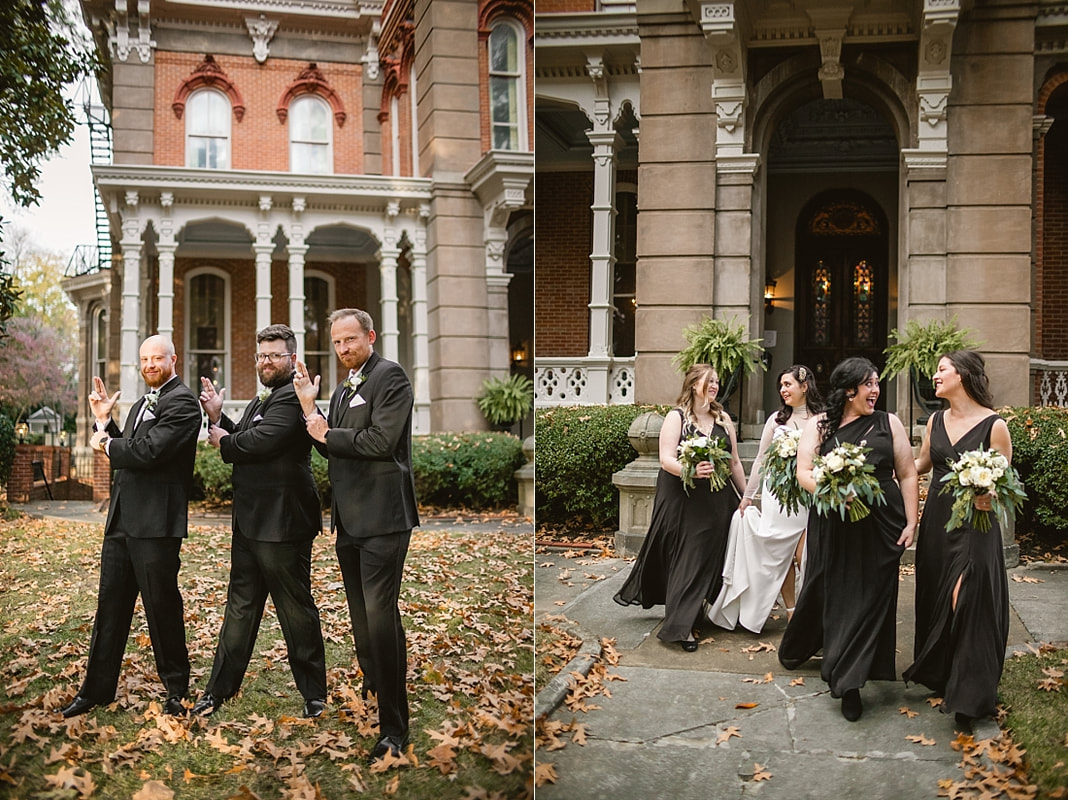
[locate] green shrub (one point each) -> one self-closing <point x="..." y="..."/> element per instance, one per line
<point x="320" y="468"/>
<point x="7" y="448"/>
<point x="212" y="476"/>
<point x="1040" y="454"/>
<point x="473" y="470"/>
<point x="578" y="448"/>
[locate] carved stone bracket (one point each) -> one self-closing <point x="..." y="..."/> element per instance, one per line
<point x="262" y="31"/>
<point x="720" y="24"/>
<point x="602" y="105"/>
<point x="119" y="36"/>
<point x="369" y="59"/>
<point x="933" y="79"/>
<point x="831" y="71"/>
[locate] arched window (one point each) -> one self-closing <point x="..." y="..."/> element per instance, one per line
<point x="623" y="275"/>
<point x="318" y="349"/>
<point x="99" y="342"/>
<point x="507" y="61"/>
<point x="207" y="130"/>
<point x="208" y="327"/>
<point x="310" y="127"/>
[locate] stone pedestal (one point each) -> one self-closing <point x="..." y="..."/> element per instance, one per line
<point x="637" y="484"/>
<point x="524" y="477"/>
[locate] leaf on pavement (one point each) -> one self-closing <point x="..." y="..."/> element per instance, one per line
<point x="544" y="773"/>
<point x="727" y="733"/>
<point x="798" y="681"/>
<point x="920" y="739"/>
<point x="746" y="705"/>
<point x="760" y="773"/>
<point x="908" y="712"/>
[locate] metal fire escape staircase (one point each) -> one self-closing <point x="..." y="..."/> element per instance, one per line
<point x="93" y="258"/>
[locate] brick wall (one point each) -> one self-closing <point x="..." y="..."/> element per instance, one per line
<point x="259" y="140"/>
<point x="486" y="119"/>
<point x="1052" y="338"/>
<point x="558" y="6"/>
<point x="25" y="485"/>
<point x="562" y="229"/>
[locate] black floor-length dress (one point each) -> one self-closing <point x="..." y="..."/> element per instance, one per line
<point x="848" y="604"/>
<point x="959" y="652"/>
<point x="681" y="562"/>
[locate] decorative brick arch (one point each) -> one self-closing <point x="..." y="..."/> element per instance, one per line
<point x="490" y="10"/>
<point x="208" y="74"/>
<point x="311" y="81"/>
<point x="396" y="68"/>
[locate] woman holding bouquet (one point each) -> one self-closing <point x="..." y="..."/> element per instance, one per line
<point x="681" y="561"/>
<point x="848" y="603"/>
<point x="766" y="544"/>
<point x="962" y="605"/>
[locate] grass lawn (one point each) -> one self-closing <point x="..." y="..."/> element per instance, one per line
<point x="1034" y="693"/>
<point x="467" y="601"/>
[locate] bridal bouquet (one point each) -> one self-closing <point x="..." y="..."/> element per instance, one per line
<point x="846" y="481"/>
<point x="780" y="472"/>
<point x="979" y="472"/>
<point x="695" y="449"/>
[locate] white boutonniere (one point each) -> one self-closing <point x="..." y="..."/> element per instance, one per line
<point x="151" y="398"/>
<point x="263" y="394"/>
<point x="354" y="382"/>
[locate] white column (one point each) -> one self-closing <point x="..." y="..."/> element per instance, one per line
<point x="166" y="246"/>
<point x="388" y="327"/>
<point x="263" y="248"/>
<point x="132" y="246"/>
<point x="297" y="250"/>
<point x="420" y="332"/>
<point x="602" y="257"/>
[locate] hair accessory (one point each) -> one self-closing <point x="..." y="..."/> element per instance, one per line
<point x="802" y="374"/>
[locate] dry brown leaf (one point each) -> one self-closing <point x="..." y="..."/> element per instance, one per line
<point x="154" y="790"/>
<point x="760" y="773"/>
<point x="727" y="733"/>
<point x="798" y="682"/>
<point x="746" y="705"/>
<point x="544" y="773"/>
<point x="908" y="712"/>
<point x="920" y="739"/>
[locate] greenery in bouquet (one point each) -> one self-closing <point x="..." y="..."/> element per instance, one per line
<point x="695" y="449"/>
<point x="980" y="472"/>
<point x="845" y="481"/>
<point x="780" y="472"/>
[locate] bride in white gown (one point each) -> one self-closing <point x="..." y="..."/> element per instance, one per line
<point x="764" y="545"/>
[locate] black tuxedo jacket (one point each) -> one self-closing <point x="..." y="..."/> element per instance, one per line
<point x="275" y="499"/>
<point x="369" y="448"/>
<point x="152" y="466"/>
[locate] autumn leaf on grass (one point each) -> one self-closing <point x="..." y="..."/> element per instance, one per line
<point x="1053" y="681"/>
<point x="726" y="734"/>
<point x="443" y="758"/>
<point x="69" y="778"/>
<point x="760" y="773"/>
<point x="544" y="773"/>
<point x="908" y="712"/>
<point x="920" y="739"/>
<point x="154" y="790"/>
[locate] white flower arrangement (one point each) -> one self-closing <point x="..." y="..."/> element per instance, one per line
<point x="695" y="449"/>
<point x="980" y="472"/>
<point x="845" y="481"/>
<point x="780" y="472"/>
<point x="263" y="393"/>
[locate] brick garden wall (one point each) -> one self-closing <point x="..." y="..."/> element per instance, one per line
<point x="25" y="485"/>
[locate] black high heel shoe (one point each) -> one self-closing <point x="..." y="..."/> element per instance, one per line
<point x="852" y="707"/>
<point x="690" y="646"/>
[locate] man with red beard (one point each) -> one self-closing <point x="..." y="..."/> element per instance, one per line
<point x="152" y="473"/>
<point x="275" y="518"/>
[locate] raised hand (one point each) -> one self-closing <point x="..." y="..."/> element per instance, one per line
<point x="99" y="401"/>
<point x="307" y="389"/>
<point x="210" y="400"/>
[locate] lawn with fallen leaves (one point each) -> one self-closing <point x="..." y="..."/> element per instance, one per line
<point x="467" y="602"/>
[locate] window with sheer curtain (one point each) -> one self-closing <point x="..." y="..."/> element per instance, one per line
<point x="207" y="130"/>
<point x="207" y="334"/>
<point x="507" y="86"/>
<point x="318" y="348"/>
<point x="310" y="128"/>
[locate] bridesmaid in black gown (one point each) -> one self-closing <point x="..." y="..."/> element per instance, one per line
<point x="681" y="561"/>
<point x="962" y="603"/>
<point x="848" y="604"/>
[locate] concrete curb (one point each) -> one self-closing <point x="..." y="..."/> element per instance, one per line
<point x="548" y="699"/>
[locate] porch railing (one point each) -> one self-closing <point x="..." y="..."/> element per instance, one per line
<point x="583" y="381"/>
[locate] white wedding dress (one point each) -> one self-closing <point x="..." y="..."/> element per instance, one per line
<point x="760" y="551"/>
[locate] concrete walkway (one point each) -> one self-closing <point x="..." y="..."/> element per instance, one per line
<point x="665" y="731"/>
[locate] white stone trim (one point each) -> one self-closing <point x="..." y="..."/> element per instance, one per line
<point x="583" y="381"/>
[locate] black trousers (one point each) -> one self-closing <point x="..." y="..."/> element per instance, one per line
<point x="371" y="568"/>
<point x="283" y="570"/>
<point x="129" y="567"/>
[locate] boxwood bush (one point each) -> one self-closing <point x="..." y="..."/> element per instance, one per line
<point x="578" y="448"/>
<point x="1040" y="454"/>
<point x="8" y="440"/>
<point x="470" y="470"/>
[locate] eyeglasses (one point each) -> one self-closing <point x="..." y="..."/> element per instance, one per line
<point x="274" y="358"/>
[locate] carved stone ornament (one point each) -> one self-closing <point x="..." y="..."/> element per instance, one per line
<point x="262" y="31"/>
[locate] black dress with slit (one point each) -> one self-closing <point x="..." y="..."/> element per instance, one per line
<point x="848" y="604"/>
<point x="681" y="561"/>
<point x="960" y="651"/>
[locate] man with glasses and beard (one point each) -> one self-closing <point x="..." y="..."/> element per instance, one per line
<point x="276" y="515"/>
<point x="151" y="475"/>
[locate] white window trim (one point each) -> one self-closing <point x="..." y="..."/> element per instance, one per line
<point x="190" y="116"/>
<point x="521" y="81"/>
<point x="190" y="361"/>
<point x="414" y="120"/>
<point x="304" y="99"/>
<point x="96" y="314"/>
<point x="330" y="380"/>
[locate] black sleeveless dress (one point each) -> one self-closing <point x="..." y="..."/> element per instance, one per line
<point x="959" y="652"/>
<point x="848" y="604"/>
<point x="681" y="561"/>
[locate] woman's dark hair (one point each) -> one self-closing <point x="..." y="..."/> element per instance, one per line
<point x="848" y="375"/>
<point x="972" y="370"/>
<point x="813" y="399"/>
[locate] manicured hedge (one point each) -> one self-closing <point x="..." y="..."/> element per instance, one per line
<point x="8" y="440"/>
<point x="470" y="470"/>
<point x="577" y="450"/>
<point x="1040" y="454"/>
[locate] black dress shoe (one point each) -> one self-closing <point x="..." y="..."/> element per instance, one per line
<point x="314" y="708"/>
<point x="690" y="646"/>
<point x="206" y="705"/>
<point x="962" y="722"/>
<point x="174" y="708"/>
<point x="852" y="707"/>
<point x="79" y="705"/>
<point x="388" y="744"/>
